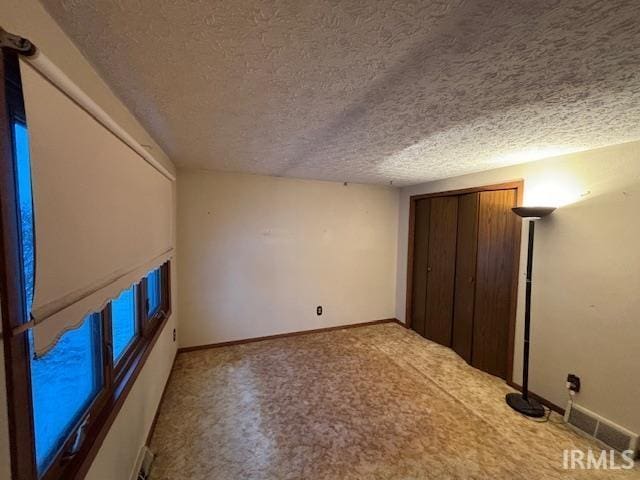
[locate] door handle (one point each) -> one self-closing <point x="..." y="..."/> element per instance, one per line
<point x="428" y="269"/>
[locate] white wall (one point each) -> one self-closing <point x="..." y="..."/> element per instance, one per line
<point x="116" y="458"/>
<point x="586" y="290"/>
<point x="258" y="254"/>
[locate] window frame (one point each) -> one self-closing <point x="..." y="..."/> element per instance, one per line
<point x="134" y="344"/>
<point x="117" y="379"/>
<point x="147" y="300"/>
<point x="149" y="323"/>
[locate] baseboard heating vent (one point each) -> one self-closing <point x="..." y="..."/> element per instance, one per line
<point x="583" y="421"/>
<point x="615" y="436"/>
<point x="143" y="464"/>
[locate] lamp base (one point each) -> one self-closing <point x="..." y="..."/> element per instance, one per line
<point x="529" y="407"/>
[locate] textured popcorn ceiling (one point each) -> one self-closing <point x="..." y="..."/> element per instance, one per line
<point x="367" y="91"/>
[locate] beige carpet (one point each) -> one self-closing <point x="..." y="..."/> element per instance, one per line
<point x="375" y="402"/>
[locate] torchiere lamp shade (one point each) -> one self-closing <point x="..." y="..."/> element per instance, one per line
<point x="533" y="212"/>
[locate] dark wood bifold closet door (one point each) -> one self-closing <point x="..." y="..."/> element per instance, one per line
<point x="498" y="228"/>
<point x="421" y="243"/>
<point x="441" y="269"/>
<point x="465" y="274"/>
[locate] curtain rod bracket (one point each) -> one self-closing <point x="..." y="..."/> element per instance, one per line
<point x="17" y="43"/>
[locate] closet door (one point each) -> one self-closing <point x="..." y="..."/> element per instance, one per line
<point x="441" y="266"/>
<point x="420" y="246"/>
<point x="465" y="285"/>
<point x="498" y="227"/>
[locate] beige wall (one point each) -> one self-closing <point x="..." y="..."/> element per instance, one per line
<point x="258" y="254"/>
<point x="117" y="456"/>
<point x="586" y="300"/>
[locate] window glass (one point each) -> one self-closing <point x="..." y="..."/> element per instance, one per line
<point x="25" y="202"/>
<point x="123" y="322"/>
<point x="64" y="382"/>
<point x="154" y="292"/>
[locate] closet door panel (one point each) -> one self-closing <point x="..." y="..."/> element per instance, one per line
<point x="497" y="226"/>
<point x="465" y="275"/>
<point x="420" y="252"/>
<point x="443" y="228"/>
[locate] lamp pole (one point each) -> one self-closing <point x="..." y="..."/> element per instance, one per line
<point x="527" y="312"/>
<point x="521" y="402"/>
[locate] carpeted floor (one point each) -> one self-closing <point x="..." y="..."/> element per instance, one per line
<point x="376" y="402"/>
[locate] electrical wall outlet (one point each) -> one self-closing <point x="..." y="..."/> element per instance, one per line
<point x="573" y="382"/>
<point x="319" y="310"/>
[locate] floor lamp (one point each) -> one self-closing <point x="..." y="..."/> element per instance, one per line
<point x="521" y="402"/>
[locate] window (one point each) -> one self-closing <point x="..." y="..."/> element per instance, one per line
<point x="124" y="322"/>
<point x="154" y="293"/>
<point x="64" y="400"/>
<point x="25" y="202"/>
<point x="64" y="382"/>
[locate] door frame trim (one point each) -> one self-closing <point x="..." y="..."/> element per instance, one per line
<point x="518" y="186"/>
